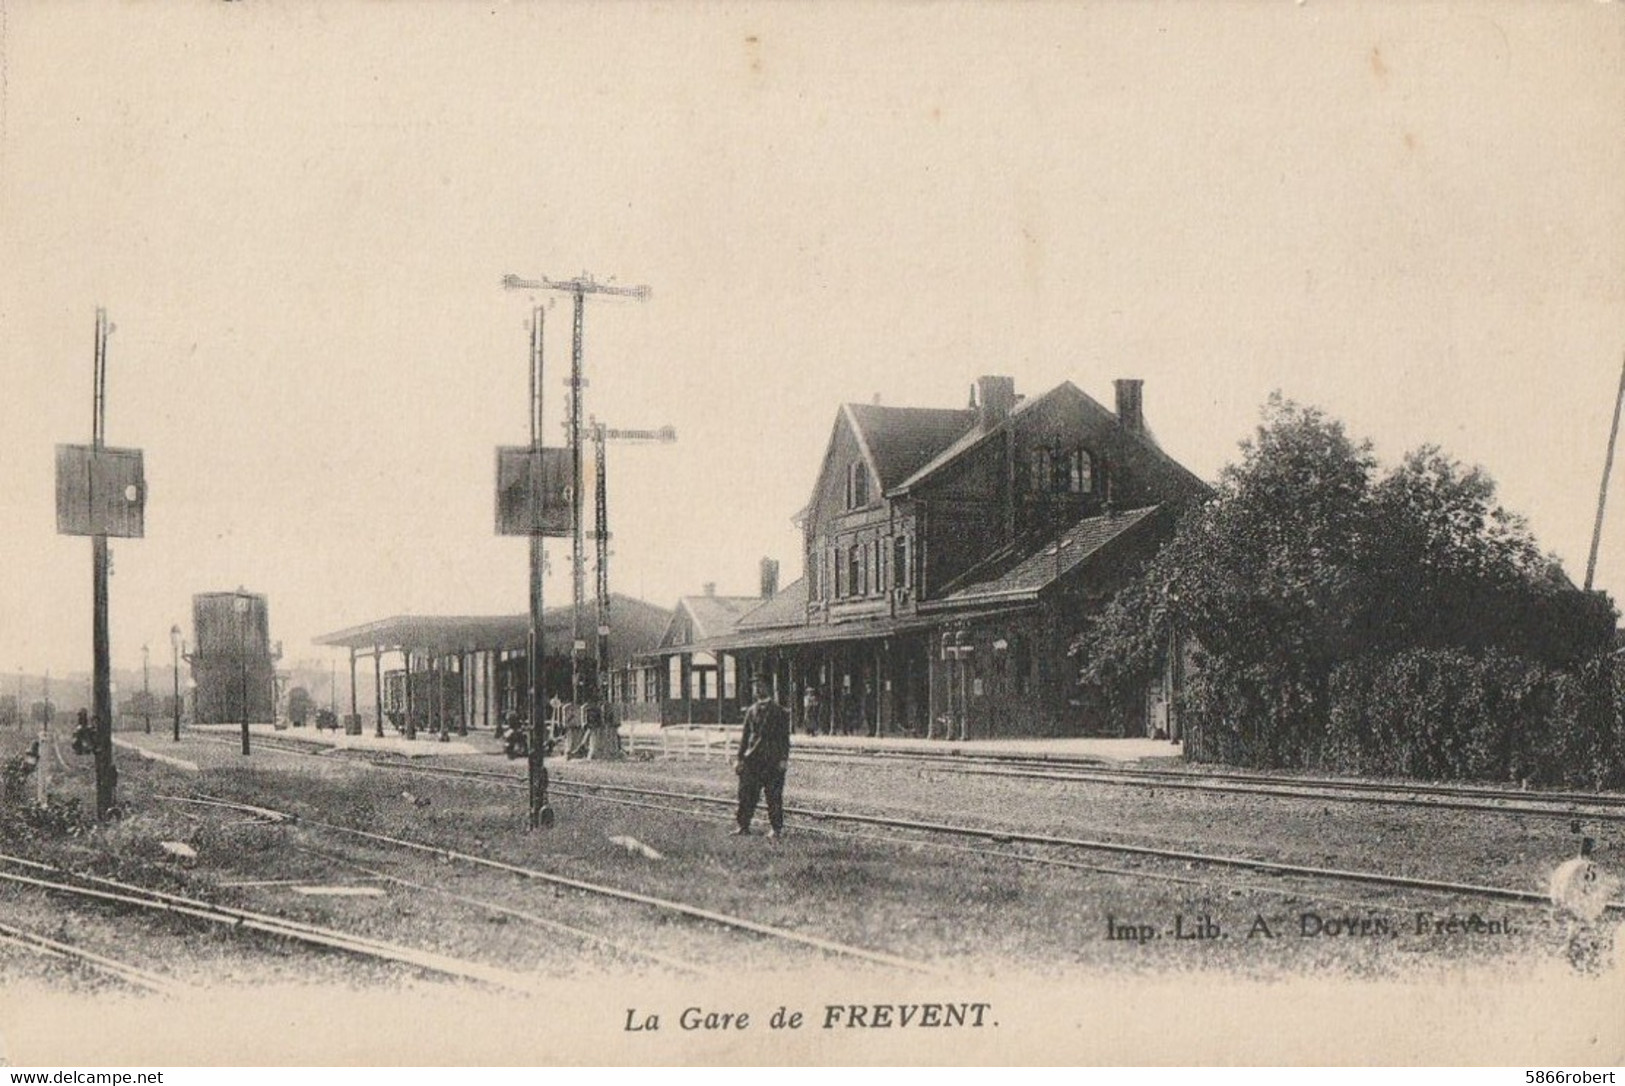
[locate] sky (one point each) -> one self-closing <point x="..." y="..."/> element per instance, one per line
<point x="298" y="217"/>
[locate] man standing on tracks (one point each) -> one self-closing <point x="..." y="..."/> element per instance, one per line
<point x="763" y="758"/>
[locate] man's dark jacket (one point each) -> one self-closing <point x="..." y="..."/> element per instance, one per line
<point x="765" y="742"/>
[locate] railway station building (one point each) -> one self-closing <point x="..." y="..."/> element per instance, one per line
<point x="950" y="557"/>
<point x="447" y="673"/>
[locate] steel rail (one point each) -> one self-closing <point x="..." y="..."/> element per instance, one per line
<point x="1063" y="764"/>
<point x="1005" y="836"/>
<point x="1008" y="836"/>
<point x="1061" y="769"/>
<point x="1132" y="873"/>
<point x="362" y="946"/>
<point x="519" y="914"/>
<point x="1137" y="874"/>
<point x="1462" y="798"/>
<point x="53" y="948"/>
<point x="739" y="923"/>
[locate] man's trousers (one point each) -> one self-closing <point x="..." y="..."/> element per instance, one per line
<point x="753" y="781"/>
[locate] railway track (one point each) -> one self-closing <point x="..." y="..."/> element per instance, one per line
<point x="70" y="953"/>
<point x="667" y="799"/>
<point x="104" y="891"/>
<point x="1597" y="806"/>
<point x="1008" y="836"/>
<point x="581" y="934"/>
<point x="651" y="901"/>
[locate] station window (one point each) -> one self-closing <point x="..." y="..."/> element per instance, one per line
<point x="1061" y="471"/>
<point x="854" y="570"/>
<point x="1080" y="472"/>
<point x="674" y="678"/>
<point x="899" y="568"/>
<point x="702" y="676"/>
<point x="1040" y="471"/>
<point x="1021" y="663"/>
<point x="857" y="485"/>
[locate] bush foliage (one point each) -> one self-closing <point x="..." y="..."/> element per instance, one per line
<point x="1351" y="620"/>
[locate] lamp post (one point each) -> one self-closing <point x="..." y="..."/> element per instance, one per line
<point x="175" y="648"/>
<point x="240" y="605"/>
<point x="146" y="691"/>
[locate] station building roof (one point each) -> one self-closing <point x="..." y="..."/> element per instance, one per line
<point x="1010" y="580"/>
<point x="1022" y="573"/>
<point x="635" y="627"/>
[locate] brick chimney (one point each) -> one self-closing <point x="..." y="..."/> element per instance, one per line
<point x="995" y="396"/>
<point x="710" y="588"/>
<point x="770" y="578"/>
<point x="1130" y="411"/>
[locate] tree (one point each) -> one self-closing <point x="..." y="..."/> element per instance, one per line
<point x="1272" y="577"/>
<point x="1456" y="570"/>
<point x="1307" y="558"/>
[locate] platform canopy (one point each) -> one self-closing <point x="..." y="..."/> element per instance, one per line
<point x="635" y="627"/>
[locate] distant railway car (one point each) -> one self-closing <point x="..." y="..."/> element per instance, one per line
<point x="232" y="662"/>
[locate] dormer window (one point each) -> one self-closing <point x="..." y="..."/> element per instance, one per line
<point x="1080" y="472"/>
<point x="1040" y="471"/>
<point x="900" y="569"/>
<point x="1061" y="471"/>
<point x="857" y="485"/>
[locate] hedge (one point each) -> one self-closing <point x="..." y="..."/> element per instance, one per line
<point x="1435" y="714"/>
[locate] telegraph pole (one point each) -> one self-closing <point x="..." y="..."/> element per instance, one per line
<point x="175" y="649"/>
<point x="601" y="570"/>
<point x="578" y="288"/>
<point x="602" y="435"/>
<point x="578" y="557"/>
<point x="146" y="692"/>
<point x="541" y="815"/>
<point x="102" y="698"/>
<point x="240" y="607"/>
<point x="531" y="501"/>
<point x="1602" y="492"/>
<point x="42" y="771"/>
<point x="100" y="492"/>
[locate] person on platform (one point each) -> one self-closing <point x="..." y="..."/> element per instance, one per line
<point x="811" y="710"/>
<point x="763" y="758"/>
<point x="85" y="739"/>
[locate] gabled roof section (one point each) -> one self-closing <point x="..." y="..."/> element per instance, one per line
<point x="1144" y="439"/>
<point x="976" y="435"/>
<point x="787" y="607"/>
<point x="1021" y="573"/>
<point x="705" y="617"/>
<point x="897" y="441"/>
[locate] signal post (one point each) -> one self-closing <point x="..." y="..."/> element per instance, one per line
<point x="100" y="492"/>
<point x="533" y="495"/>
